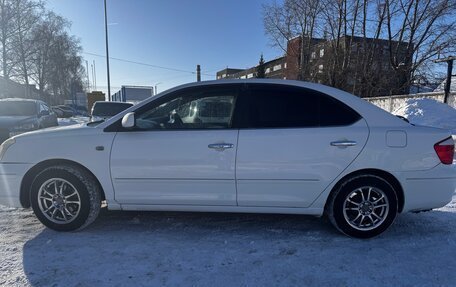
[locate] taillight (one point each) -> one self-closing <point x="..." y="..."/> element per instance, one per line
<point x="445" y="150"/>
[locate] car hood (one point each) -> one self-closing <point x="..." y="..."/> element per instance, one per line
<point x="79" y="129"/>
<point x="12" y="121"/>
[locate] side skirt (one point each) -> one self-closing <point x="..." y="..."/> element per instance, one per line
<point x="235" y="209"/>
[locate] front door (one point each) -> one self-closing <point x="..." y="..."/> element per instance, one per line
<point x="182" y="151"/>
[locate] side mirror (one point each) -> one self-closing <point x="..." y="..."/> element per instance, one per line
<point x="128" y="121"/>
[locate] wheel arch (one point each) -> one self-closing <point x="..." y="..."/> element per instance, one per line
<point x="391" y="179"/>
<point x="30" y="175"/>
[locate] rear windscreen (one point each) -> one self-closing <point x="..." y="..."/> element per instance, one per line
<point x="19" y="108"/>
<point x="109" y="109"/>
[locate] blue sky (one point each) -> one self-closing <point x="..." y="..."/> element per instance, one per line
<point x="177" y="34"/>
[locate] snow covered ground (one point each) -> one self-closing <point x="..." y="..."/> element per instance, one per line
<point x="202" y="249"/>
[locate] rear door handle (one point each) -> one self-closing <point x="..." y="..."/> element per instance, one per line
<point x="220" y="146"/>
<point x="343" y="143"/>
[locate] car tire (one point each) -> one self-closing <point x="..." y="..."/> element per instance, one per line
<point x="363" y="206"/>
<point x="65" y="198"/>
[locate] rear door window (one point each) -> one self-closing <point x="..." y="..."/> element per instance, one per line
<point x="280" y="106"/>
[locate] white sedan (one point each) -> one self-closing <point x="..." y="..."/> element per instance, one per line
<point x="277" y="147"/>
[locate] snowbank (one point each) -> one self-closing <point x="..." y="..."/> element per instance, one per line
<point x="428" y="112"/>
<point x="72" y="121"/>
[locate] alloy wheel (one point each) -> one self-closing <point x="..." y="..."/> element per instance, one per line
<point x="366" y="208"/>
<point x="59" y="200"/>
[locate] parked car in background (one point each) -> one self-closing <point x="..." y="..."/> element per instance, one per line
<point x="261" y="146"/>
<point x="68" y="109"/>
<point x="79" y="110"/>
<point x="62" y="113"/>
<point x="22" y="115"/>
<point x="102" y="110"/>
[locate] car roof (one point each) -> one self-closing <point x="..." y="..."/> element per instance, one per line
<point x="20" y="100"/>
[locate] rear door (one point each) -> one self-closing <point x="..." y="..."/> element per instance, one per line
<point x="293" y="142"/>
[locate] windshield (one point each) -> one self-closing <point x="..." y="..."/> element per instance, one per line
<point x="19" y="108"/>
<point x="109" y="109"/>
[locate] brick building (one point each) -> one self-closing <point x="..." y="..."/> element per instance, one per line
<point x="319" y="50"/>
<point x="274" y="69"/>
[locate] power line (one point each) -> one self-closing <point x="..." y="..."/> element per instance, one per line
<point x="179" y="77"/>
<point x="145" y="64"/>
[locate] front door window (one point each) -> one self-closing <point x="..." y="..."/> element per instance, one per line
<point x="204" y="111"/>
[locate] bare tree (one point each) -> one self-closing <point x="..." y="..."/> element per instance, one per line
<point x="64" y="70"/>
<point x="355" y="34"/>
<point x="26" y="13"/>
<point x="45" y="34"/>
<point x="6" y="33"/>
<point x="37" y="48"/>
<point x="290" y="19"/>
<point x="56" y="66"/>
<point x="428" y="27"/>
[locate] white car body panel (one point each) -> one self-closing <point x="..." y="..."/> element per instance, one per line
<point x="208" y="179"/>
<point x="415" y="160"/>
<point x="291" y="167"/>
<point x="174" y="167"/>
<point x="58" y="143"/>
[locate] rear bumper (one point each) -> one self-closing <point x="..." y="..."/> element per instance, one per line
<point x="424" y="190"/>
<point x="11" y="175"/>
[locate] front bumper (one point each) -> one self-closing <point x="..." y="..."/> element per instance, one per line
<point x="11" y="175"/>
<point x="424" y="190"/>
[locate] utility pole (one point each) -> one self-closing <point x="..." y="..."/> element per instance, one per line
<point x="107" y="50"/>
<point x="93" y="79"/>
<point x="156" y="90"/>
<point x="198" y="73"/>
<point x="88" y="77"/>
<point x="449" y="61"/>
<point x="94" y="75"/>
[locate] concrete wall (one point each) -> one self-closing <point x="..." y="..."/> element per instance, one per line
<point x="392" y="103"/>
<point x="11" y="89"/>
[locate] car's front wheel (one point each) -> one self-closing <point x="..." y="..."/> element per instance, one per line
<point x="363" y="206"/>
<point x="65" y="198"/>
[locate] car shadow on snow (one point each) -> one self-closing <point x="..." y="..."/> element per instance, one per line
<point x="218" y="249"/>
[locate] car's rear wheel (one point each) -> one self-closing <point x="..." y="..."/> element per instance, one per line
<point x="363" y="206"/>
<point x="65" y="198"/>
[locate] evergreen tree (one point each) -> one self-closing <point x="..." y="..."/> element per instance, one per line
<point x="261" y="69"/>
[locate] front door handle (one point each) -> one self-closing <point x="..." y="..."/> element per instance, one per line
<point x="343" y="143"/>
<point x="220" y="146"/>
